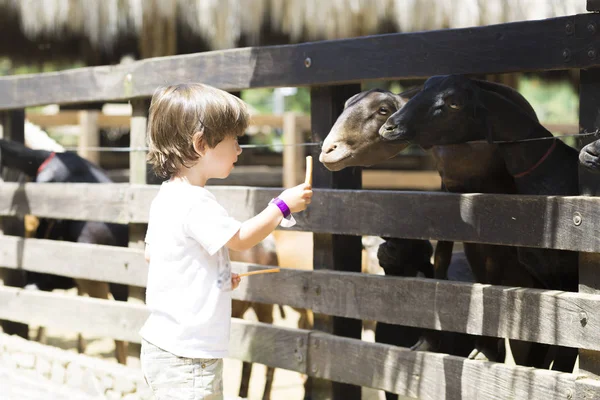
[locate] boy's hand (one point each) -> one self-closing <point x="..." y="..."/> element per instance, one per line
<point x="298" y="197"/>
<point x="235" y="281"/>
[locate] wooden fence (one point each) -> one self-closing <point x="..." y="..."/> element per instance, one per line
<point x="287" y="169"/>
<point x="339" y="214"/>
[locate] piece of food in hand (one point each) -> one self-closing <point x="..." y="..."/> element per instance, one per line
<point x="309" y="170"/>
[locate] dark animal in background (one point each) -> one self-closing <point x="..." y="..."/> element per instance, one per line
<point x="49" y="167"/>
<point x="454" y="109"/>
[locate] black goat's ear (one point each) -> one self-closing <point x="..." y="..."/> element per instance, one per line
<point x="410" y="93"/>
<point x="404" y="97"/>
<point x="508" y="94"/>
<point x="501" y="107"/>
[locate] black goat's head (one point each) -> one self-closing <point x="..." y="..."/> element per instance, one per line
<point x="442" y="113"/>
<point x="453" y="109"/>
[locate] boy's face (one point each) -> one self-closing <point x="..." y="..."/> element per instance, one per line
<point x="218" y="162"/>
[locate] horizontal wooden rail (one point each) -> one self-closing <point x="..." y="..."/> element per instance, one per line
<point x="120" y="320"/>
<point x="510" y="47"/>
<point x="535" y="221"/>
<point x="399" y="370"/>
<point x="568" y="319"/>
<point x="123" y="121"/>
<point x="70" y="117"/>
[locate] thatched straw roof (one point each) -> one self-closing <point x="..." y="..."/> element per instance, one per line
<point x="115" y="27"/>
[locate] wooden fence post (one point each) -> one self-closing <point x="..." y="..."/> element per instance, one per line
<point x="12" y="126"/>
<point x="336" y="252"/>
<point x="89" y="135"/>
<point x="137" y="175"/>
<point x="589" y="185"/>
<point x="137" y="139"/>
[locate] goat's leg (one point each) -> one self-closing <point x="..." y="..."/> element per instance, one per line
<point x="306" y="318"/>
<point x="396" y="335"/>
<point x="82" y="288"/>
<point x="245" y="381"/>
<point x="269" y="383"/>
<point x="41" y="335"/>
<point x="238" y="309"/>
<point x="442" y="258"/>
<point x="264" y="313"/>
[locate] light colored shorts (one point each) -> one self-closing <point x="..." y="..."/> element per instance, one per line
<point x="173" y="377"/>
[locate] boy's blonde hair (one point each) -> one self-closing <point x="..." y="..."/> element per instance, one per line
<point x="177" y="112"/>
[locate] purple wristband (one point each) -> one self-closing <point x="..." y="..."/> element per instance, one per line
<point x="285" y="210"/>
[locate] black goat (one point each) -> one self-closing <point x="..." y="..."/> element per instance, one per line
<point x="45" y="166"/>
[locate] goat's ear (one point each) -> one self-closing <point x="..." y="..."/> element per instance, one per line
<point x="351" y="99"/>
<point x="404" y="97"/>
<point x="400" y="101"/>
<point x="410" y="93"/>
<point x="509" y="94"/>
<point x="493" y="103"/>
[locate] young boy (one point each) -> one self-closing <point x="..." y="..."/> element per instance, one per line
<point x="192" y="133"/>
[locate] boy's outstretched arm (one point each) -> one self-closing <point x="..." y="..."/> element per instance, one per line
<point x="254" y="230"/>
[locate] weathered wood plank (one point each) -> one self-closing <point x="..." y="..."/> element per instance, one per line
<point x="76" y="260"/>
<point x="536" y="221"/>
<point x="587" y="389"/>
<point x="517" y="313"/>
<point x="426" y="375"/>
<point x="430" y="376"/>
<point x="481" y="50"/>
<point x="92" y="202"/>
<point x="265" y="344"/>
<point x="278" y="347"/>
<point x="567" y="319"/>
<point x="106" y="318"/>
<point x="89" y="135"/>
<point x="68" y="117"/>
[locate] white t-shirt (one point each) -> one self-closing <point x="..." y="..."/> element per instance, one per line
<point x="189" y="278"/>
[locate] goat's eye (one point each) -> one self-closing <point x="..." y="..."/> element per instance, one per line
<point x="453" y="103"/>
<point x="383" y="111"/>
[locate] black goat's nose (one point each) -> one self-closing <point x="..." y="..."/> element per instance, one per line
<point x="390" y="127"/>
